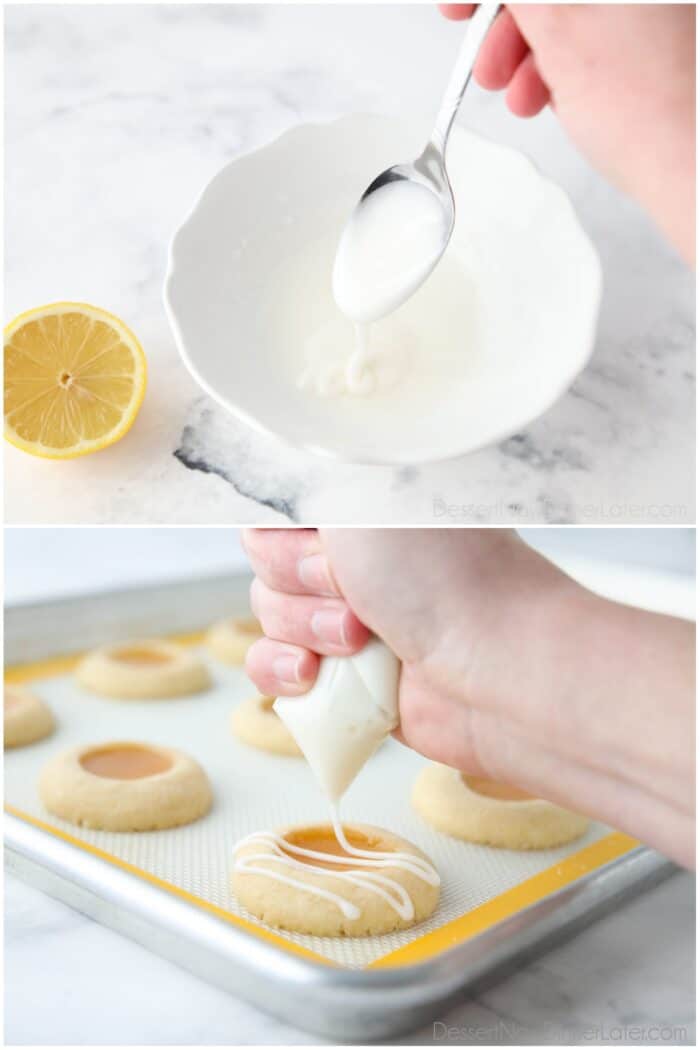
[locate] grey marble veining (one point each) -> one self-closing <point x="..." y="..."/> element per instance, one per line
<point x="115" y="119"/>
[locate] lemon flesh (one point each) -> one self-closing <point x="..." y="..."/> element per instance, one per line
<point x="75" y="377"/>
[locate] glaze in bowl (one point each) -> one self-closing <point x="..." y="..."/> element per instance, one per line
<point x="497" y="334"/>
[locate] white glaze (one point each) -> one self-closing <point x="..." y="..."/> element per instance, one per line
<point x="387" y="249"/>
<point x="346" y="715"/>
<point x="390" y="245"/>
<point x="356" y="360"/>
<point x="388" y="889"/>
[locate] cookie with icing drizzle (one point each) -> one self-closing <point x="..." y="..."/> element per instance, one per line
<point x="355" y="881"/>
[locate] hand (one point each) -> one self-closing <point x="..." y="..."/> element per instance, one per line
<point x="511" y="670"/>
<point x="315" y="592"/>
<point x="621" y="79"/>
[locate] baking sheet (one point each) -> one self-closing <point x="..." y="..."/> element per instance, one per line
<point x="254" y="790"/>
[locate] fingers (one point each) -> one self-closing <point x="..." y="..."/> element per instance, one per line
<point x="325" y="625"/>
<point x="505" y="61"/>
<point x="501" y="54"/>
<point x="293" y="598"/>
<point x="527" y="93"/>
<point x="290" y="560"/>
<point x="457" y="12"/>
<point x="279" y="669"/>
<point x="297" y="602"/>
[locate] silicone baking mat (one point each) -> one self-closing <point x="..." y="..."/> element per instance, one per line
<point x="254" y="790"/>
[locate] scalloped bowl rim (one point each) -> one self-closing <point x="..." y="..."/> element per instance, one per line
<point x="557" y="390"/>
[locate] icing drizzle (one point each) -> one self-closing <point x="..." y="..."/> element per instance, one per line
<point x="277" y="850"/>
<point x="370" y="367"/>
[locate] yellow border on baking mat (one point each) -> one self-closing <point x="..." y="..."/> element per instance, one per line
<point x="56" y="665"/>
<point x="429" y="944"/>
<point x="422" y="948"/>
<point x="154" y="880"/>
<point x="509" y="903"/>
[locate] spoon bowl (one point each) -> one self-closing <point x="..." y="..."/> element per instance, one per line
<point x="394" y="239"/>
<point x="403" y="221"/>
<point x="428" y="171"/>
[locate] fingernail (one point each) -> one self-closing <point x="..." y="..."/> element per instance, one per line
<point x="286" y="668"/>
<point x="314" y="573"/>
<point x="329" y="626"/>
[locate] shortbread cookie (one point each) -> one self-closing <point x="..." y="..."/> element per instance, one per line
<point x="490" y="813"/>
<point x="149" y="669"/>
<point x="257" y="724"/>
<point x="305" y="879"/>
<point x="125" y="786"/>
<point x="229" y="640"/>
<point x="27" y="718"/>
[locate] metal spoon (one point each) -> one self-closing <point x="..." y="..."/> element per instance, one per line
<point x="428" y="170"/>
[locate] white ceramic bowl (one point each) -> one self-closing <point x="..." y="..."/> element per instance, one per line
<point x="499" y="331"/>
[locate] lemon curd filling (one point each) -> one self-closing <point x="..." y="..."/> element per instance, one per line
<point x="125" y="762"/>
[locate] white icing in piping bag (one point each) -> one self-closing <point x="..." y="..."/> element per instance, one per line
<point x="346" y="715"/>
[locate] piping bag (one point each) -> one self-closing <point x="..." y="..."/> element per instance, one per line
<point x="343" y="719"/>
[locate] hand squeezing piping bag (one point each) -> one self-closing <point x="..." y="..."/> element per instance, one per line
<point x="346" y="715"/>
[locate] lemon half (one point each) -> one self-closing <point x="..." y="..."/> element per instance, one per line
<point x="75" y="377"/>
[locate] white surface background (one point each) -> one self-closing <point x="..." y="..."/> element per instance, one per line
<point x="116" y="117"/>
<point x="634" y="968"/>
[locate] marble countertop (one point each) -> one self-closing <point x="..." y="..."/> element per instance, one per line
<point x="116" y="117"/>
<point x="629" y="977"/>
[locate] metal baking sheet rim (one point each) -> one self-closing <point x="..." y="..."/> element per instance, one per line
<point x="387" y="998"/>
<point x="340" y="1003"/>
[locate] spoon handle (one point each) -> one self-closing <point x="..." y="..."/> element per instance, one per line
<point x="479" y="25"/>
